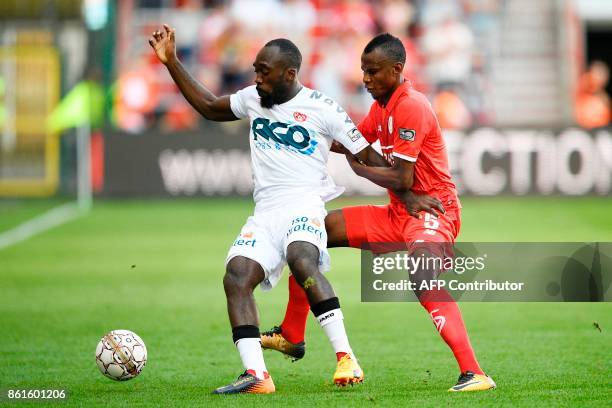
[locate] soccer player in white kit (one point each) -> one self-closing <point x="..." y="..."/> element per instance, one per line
<point x="292" y="129"/>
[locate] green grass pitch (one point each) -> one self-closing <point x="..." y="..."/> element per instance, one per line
<point x="155" y="267"/>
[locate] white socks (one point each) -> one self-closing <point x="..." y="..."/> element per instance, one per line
<point x="251" y="355"/>
<point x="332" y="323"/>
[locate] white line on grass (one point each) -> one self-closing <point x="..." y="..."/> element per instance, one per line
<point x="42" y="223"/>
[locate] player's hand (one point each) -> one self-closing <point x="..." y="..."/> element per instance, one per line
<point x="416" y="203"/>
<point x="163" y="43"/>
<point x="338" y="147"/>
<point x="353" y="161"/>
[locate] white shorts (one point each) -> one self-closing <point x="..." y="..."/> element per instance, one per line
<point x="265" y="237"/>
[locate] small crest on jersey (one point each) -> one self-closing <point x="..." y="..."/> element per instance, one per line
<point x="316" y="222"/>
<point x="407" y="134"/>
<point x="299" y="116"/>
<point x="246" y="234"/>
<point x="390" y="125"/>
<point x="354" y="134"/>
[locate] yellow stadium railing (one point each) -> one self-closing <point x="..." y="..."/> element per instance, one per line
<point x="34" y="76"/>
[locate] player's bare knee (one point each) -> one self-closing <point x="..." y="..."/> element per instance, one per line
<point x="303" y="266"/>
<point x="303" y="260"/>
<point x="306" y="271"/>
<point x="336" y="229"/>
<point x="425" y="273"/>
<point x="241" y="277"/>
<point x="421" y="275"/>
<point x="231" y="281"/>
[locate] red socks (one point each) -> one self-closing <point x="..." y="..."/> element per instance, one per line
<point x="447" y="318"/>
<point x="294" y="324"/>
<point x="439" y="304"/>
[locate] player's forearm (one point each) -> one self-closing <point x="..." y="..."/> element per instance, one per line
<point x="387" y="177"/>
<point x="196" y="94"/>
<point x="375" y="159"/>
<point x="370" y="157"/>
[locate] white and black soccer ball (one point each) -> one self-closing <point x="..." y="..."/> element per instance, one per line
<point x="121" y="355"/>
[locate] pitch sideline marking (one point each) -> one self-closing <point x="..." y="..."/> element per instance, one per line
<point x="44" y="222"/>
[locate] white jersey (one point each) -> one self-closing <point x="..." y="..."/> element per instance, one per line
<point x="290" y="145"/>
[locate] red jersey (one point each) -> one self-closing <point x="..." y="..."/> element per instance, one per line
<point x="408" y="129"/>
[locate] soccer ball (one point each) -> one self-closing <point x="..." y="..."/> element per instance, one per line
<point x="121" y="355"/>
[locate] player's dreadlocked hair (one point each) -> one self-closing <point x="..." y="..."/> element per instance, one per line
<point x="391" y="46"/>
<point x="290" y="52"/>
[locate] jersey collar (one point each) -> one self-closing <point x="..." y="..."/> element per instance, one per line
<point x="401" y="90"/>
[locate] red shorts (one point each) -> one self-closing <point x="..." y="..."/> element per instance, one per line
<point x="392" y="224"/>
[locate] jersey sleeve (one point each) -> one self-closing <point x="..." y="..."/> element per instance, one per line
<point x="367" y="126"/>
<point x="238" y="101"/>
<point x="411" y="129"/>
<point x="341" y="128"/>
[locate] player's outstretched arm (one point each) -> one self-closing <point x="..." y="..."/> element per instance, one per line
<point x="372" y="158"/>
<point x="368" y="156"/>
<point x="398" y="178"/>
<point x="205" y="102"/>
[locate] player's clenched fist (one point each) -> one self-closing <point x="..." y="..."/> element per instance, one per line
<point x="163" y="43"/>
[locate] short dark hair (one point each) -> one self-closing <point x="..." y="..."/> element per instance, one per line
<point x="391" y="46"/>
<point x="291" y="54"/>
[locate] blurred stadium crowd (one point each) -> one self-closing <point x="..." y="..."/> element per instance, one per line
<point x="449" y="45"/>
<point x="510" y="81"/>
<point x="474" y="59"/>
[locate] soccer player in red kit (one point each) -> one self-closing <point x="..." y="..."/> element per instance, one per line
<point x="402" y="119"/>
